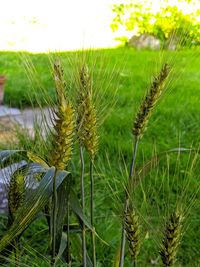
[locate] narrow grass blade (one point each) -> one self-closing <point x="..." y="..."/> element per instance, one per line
<point x="5" y="154"/>
<point x="153" y="163"/>
<point x="9" y="156"/>
<point x="76" y="207"/>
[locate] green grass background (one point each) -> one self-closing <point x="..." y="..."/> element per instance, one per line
<point x="175" y="122"/>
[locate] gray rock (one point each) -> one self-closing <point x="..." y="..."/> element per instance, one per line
<point x="29" y="117"/>
<point x="145" y="41"/>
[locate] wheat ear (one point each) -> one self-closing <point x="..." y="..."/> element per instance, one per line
<point x="16" y="194"/>
<point x="152" y="97"/>
<point x="87" y="115"/>
<point x="64" y="124"/>
<point x="16" y="197"/>
<point x="172" y="238"/>
<point x="132" y="232"/>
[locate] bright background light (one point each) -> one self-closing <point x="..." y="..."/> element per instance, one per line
<point x="42" y="25"/>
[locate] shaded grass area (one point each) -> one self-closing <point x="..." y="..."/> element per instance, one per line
<point x="174" y="123"/>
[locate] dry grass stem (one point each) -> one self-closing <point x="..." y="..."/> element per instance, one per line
<point x="172" y="238"/>
<point x="152" y="97"/>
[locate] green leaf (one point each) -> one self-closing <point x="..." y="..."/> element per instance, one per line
<point x="76" y="207"/>
<point x="36" y="168"/>
<point x="63" y="245"/>
<point x="6" y="157"/>
<point x="62" y="199"/>
<point x="34" y="204"/>
<point x="5" y="154"/>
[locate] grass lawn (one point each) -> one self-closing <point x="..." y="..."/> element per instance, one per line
<point x="174" y="123"/>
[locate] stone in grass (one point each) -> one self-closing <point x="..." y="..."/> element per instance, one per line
<point x="145" y="41"/>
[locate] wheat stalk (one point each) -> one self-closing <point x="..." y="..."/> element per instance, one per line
<point x="152" y="97"/>
<point x="139" y="126"/>
<point x="88" y="138"/>
<point x="172" y="238"/>
<point x="62" y="143"/>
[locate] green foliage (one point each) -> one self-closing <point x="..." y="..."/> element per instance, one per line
<point x="161" y="19"/>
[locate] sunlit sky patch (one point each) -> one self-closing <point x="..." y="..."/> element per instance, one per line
<point x="42" y="25"/>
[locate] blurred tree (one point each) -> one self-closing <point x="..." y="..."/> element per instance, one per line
<point x="162" y="19"/>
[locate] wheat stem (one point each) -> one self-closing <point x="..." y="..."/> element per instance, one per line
<point x="123" y="235"/>
<point x="135" y="148"/>
<point x="92" y="213"/>
<point x="84" y="251"/>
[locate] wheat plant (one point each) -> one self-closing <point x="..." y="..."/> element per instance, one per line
<point x="62" y="143"/>
<point x="153" y="95"/>
<point x="88" y="139"/>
